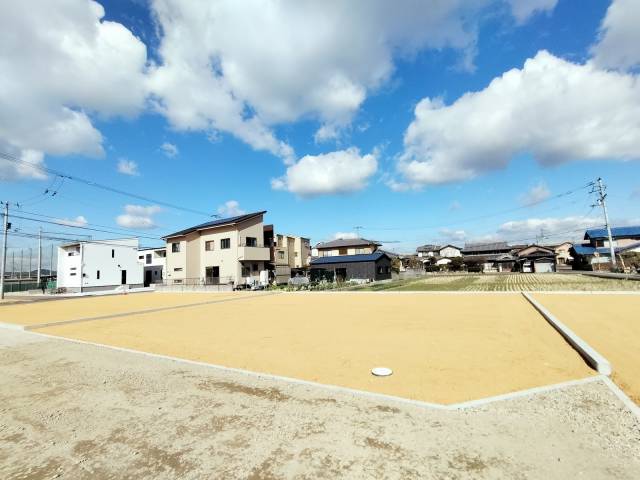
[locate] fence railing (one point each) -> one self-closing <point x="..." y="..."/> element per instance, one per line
<point x="197" y="282"/>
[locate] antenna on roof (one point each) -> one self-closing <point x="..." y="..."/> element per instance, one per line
<point x="357" y="229"/>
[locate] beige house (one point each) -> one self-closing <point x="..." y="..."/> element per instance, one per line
<point x="345" y="246"/>
<point x="226" y="251"/>
<point x="291" y="255"/>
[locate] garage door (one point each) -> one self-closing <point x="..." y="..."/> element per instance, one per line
<point x="544" y="267"/>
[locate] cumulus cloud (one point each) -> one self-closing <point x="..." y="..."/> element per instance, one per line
<point x="304" y="59"/>
<point x="230" y="208"/>
<point x="618" y="45"/>
<point x="539" y="109"/>
<point x="452" y="235"/>
<point x="73" y="64"/>
<point x="169" y="149"/>
<point x="79" y="221"/>
<point x="341" y="171"/>
<point x="17" y="171"/>
<point x="138" y="217"/>
<point x="128" y="167"/>
<point x="523" y="9"/>
<point x="536" y="194"/>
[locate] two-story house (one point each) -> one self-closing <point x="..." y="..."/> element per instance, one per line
<point x="347" y="259"/>
<point x="154" y="262"/>
<point x="225" y="251"/>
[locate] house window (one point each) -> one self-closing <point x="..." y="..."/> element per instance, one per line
<point x="208" y="245"/>
<point x="254" y="267"/>
<point x="71" y="254"/>
<point x="359" y="251"/>
<point x="342" y="251"/>
<point x="148" y="258"/>
<point x="225" y="243"/>
<point x="113" y="253"/>
<point x="98" y="274"/>
<point x="252" y="242"/>
<point x="175" y="247"/>
<point x="245" y="271"/>
<point x="73" y="268"/>
<point x="72" y="274"/>
<point x="281" y="255"/>
<point x="177" y="269"/>
<point x="296" y="254"/>
<point x="140" y="257"/>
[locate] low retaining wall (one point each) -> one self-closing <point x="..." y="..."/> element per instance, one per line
<point x="193" y="288"/>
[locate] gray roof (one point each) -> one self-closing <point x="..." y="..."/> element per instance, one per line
<point x="471" y="248"/>
<point x="222" y="222"/>
<point x="367" y="257"/>
<point x="428" y="248"/>
<point x="347" y="242"/>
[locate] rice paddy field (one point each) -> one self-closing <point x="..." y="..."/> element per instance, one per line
<point x="507" y="282"/>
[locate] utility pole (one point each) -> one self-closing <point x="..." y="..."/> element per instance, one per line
<point x="39" y="254"/>
<point x="30" y="259"/>
<point x="4" y="248"/>
<point x="601" y="191"/>
<point x="357" y="229"/>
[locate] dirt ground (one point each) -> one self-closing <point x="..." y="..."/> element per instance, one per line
<point x="87" y="307"/>
<point x="611" y="325"/>
<point x="74" y="411"/>
<point x="442" y="348"/>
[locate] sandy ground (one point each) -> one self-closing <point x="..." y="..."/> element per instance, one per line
<point x="442" y="348"/>
<point x="611" y="325"/>
<point x="88" y="307"/>
<point x="74" y="411"/>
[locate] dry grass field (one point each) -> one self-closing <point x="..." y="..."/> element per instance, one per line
<point x="508" y="282"/>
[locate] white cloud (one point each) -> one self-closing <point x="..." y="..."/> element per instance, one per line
<point x="79" y="221"/>
<point x="454" y="206"/>
<point x="138" y="217"/>
<point x="230" y="208"/>
<point x="452" y="235"/>
<point x="618" y="45"/>
<point x="539" y="109"/>
<point x="536" y="194"/>
<point x="567" y="227"/>
<point x="169" y="149"/>
<point x="341" y="171"/>
<point x="305" y="59"/>
<point x="16" y="171"/>
<point x="72" y="65"/>
<point x="128" y="167"/>
<point x="344" y="235"/>
<point x="523" y="9"/>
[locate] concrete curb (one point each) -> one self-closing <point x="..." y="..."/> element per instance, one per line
<point x="592" y="357"/>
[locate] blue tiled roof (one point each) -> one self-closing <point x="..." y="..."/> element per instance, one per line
<point x="368" y="257"/>
<point x="589" y="250"/>
<point x="217" y="223"/>
<point x="615" y="232"/>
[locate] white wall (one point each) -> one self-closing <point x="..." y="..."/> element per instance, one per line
<point x="109" y="257"/>
<point x="450" y="252"/>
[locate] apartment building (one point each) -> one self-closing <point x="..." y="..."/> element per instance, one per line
<point x="154" y="262"/>
<point x="225" y="251"/>
<point x="99" y="265"/>
<point x="291" y="256"/>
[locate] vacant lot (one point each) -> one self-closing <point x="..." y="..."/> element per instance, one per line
<point x="611" y="325"/>
<point x="509" y="282"/>
<point x="67" y="309"/>
<point x="444" y="348"/>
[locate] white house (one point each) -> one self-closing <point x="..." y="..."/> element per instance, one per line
<point x="154" y="261"/>
<point x="99" y="265"/>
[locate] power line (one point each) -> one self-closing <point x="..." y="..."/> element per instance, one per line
<point x="489" y="215"/>
<point x="91" y="183"/>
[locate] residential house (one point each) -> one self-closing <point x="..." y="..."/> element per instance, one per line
<point x="535" y="259"/>
<point x="596" y="251"/>
<point x="345" y="246"/>
<point x="364" y="266"/>
<point x="291" y="256"/>
<point x="437" y="254"/>
<point x="89" y="266"/>
<point x="489" y="257"/>
<point x="154" y="262"/>
<point x="563" y="253"/>
<point x="225" y="251"/>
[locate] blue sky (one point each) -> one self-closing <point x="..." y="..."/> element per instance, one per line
<point x="321" y="129"/>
